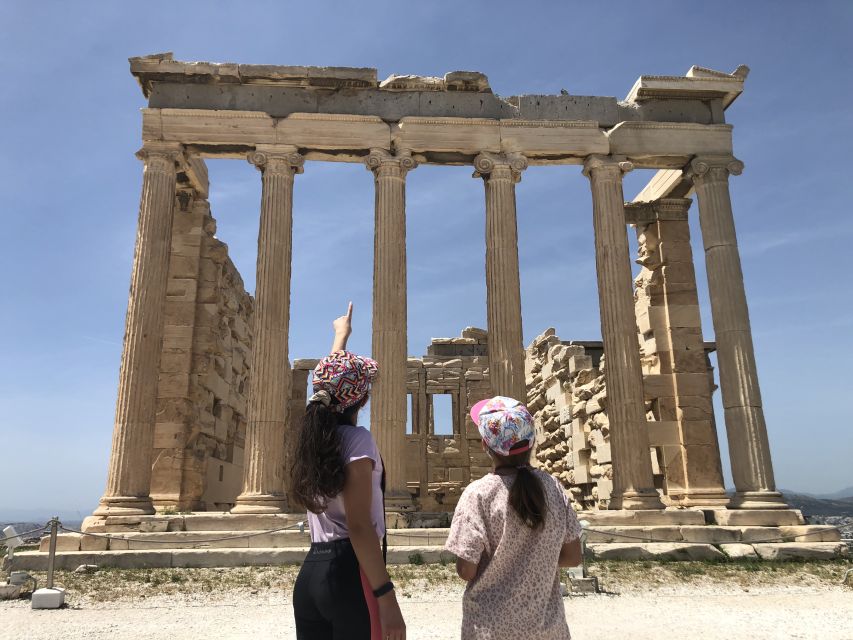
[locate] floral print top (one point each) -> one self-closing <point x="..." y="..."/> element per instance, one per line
<point x="516" y="592"/>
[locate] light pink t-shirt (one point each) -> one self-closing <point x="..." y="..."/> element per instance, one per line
<point x="516" y="593"/>
<point x="356" y="444"/>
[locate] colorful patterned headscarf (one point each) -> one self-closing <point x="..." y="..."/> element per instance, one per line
<point x="345" y="376"/>
<point x="503" y="423"/>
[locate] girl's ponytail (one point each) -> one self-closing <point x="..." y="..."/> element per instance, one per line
<point x="527" y="498"/>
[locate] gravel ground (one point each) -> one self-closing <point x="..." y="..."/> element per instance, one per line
<point x="645" y="601"/>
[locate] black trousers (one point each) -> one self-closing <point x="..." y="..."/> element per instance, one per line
<point x="328" y="597"/>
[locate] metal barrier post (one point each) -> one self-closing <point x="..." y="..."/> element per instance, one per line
<point x="584" y="524"/>
<point x="51" y="558"/>
<point x="50" y="597"/>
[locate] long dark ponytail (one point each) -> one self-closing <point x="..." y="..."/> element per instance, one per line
<point x="526" y="496"/>
<point x="317" y="474"/>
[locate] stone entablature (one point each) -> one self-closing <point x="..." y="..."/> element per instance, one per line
<point x="699" y="97"/>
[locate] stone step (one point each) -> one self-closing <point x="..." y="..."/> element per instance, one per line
<point x="643" y="517"/>
<point x="223" y="521"/>
<point x="801" y="550"/>
<point x="416" y="554"/>
<point x="703" y="534"/>
<point x="130" y="541"/>
<point x="690" y="551"/>
<point x="655" y="551"/>
<point x="203" y="521"/>
<point x="756" y="517"/>
<point x="154" y="559"/>
<point x="713" y="534"/>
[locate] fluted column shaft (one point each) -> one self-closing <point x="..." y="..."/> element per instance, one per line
<point x="749" y="449"/>
<point x="500" y="174"/>
<point x="129" y="475"/>
<point x="633" y="485"/>
<point x="389" y="395"/>
<point x="269" y="390"/>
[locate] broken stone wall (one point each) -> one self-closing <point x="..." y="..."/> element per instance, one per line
<point x="568" y="400"/>
<point x="200" y="431"/>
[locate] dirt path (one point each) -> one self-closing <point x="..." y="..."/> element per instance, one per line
<point x="769" y="614"/>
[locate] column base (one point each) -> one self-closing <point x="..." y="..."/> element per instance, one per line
<point x="633" y="500"/>
<point x="124" y="506"/>
<point x="260" y="503"/>
<point x="758" y="500"/>
<point x="708" y="498"/>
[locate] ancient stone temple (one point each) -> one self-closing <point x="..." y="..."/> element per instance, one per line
<point x="208" y="396"/>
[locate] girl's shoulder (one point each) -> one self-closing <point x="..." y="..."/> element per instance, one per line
<point x="356" y="439"/>
<point x="486" y="485"/>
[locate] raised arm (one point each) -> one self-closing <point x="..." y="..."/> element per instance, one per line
<point x="343" y="329"/>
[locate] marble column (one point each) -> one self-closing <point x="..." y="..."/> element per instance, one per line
<point x="129" y="475"/>
<point x="633" y="486"/>
<point x="269" y="389"/>
<point x="390" y="349"/>
<point x="749" y="450"/>
<point x="500" y="174"/>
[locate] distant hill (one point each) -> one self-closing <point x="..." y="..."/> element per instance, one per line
<point x="812" y="506"/>
<point x="846" y="493"/>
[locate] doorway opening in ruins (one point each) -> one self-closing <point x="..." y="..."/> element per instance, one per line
<point x="443" y="412"/>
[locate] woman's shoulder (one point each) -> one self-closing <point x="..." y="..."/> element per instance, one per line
<point x="354" y="431"/>
<point x="356" y="438"/>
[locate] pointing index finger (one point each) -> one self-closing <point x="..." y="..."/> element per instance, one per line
<point x="349" y="311"/>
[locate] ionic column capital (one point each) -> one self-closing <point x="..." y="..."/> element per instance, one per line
<point x="159" y="155"/>
<point x="713" y="168"/>
<point x="384" y="164"/>
<point x="606" y="166"/>
<point x="489" y="165"/>
<point x="277" y="158"/>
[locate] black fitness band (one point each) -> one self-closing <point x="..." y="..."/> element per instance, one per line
<point x="385" y="588"/>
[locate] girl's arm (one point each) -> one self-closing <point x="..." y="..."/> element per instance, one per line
<point x="343" y="329"/>
<point x="570" y="554"/>
<point x="357" y="497"/>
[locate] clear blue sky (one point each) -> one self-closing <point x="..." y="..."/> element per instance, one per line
<point x="69" y="192"/>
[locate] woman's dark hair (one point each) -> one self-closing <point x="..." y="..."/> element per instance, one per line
<point x="317" y="474"/>
<point x="526" y="496"/>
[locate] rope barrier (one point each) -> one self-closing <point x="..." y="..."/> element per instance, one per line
<point x="299" y="525"/>
<point x="25" y="533"/>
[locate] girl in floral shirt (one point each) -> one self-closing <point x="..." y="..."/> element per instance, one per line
<point x="511" y="531"/>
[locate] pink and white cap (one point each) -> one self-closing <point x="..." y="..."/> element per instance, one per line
<point x="503" y="423"/>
